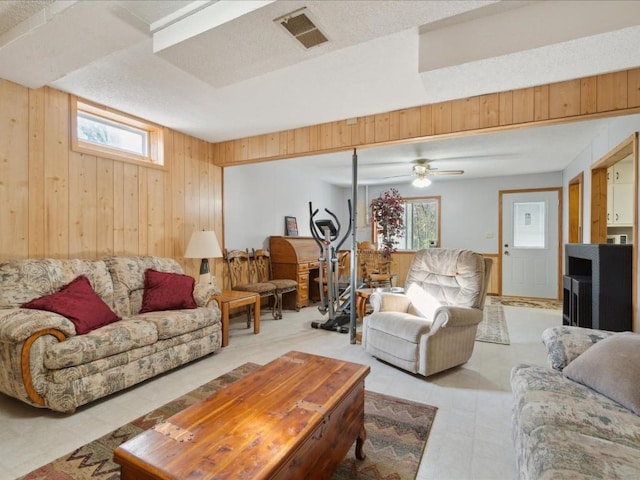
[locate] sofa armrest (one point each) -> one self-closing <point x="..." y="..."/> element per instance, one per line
<point x="26" y="327"/>
<point x="564" y="344"/>
<point x="389" y="302"/>
<point x="18" y="324"/>
<point x="202" y="293"/>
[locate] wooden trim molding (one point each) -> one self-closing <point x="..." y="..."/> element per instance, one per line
<point x="599" y="96"/>
<point x="155" y="156"/>
<point x="25" y="363"/>
<point x="494" y="287"/>
<point x="576" y="207"/>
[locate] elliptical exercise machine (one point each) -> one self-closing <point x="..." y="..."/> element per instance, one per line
<point x="325" y="232"/>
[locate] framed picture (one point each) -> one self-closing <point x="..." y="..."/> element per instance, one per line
<point x="291" y="226"/>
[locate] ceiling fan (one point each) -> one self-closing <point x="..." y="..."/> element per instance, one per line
<point x="422" y="171"/>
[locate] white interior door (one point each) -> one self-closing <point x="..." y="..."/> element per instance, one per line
<point x="530" y="244"/>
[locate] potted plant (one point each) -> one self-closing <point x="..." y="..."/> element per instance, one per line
<point x="387" y="211"/>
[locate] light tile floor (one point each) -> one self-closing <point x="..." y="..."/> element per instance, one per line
<point x="470" y="438"/>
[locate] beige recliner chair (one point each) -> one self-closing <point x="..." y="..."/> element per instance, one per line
<point x="432" y="326"/>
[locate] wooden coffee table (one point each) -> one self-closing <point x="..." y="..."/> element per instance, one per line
<point x="294" y="418"/>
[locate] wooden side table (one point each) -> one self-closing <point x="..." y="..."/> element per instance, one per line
<point x="362" y="295"/>
<point x="229" y="299"/>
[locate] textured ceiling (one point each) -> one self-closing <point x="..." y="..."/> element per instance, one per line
<point x="247" y="77"/>
<point x="13" y="13"/>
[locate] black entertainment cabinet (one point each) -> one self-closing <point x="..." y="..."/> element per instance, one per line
<point x="597" y="286"/>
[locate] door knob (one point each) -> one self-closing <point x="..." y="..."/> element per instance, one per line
<point x="506" y="253"/>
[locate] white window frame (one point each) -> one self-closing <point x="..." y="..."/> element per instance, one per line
<point x="403" y="241"/>
<point x="153" y="156"/>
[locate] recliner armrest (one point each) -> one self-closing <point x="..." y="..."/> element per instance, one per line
<point x="389" y="302"/>
<point x="457" y="316"/>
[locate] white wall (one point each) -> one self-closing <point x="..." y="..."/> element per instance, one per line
<point x="257" y="198"/>
<point x="469" y="207"/>
<point x="619" y="130"/>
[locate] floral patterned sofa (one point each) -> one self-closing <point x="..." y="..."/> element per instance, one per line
<point x="579" y="418"/>
<point x="53" y="361"/>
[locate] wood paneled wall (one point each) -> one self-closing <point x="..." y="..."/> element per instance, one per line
<point x="601" y="95"/>
<point x="58" y="203"/>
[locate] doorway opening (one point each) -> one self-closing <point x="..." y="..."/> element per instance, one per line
<point x="614" y="203"/>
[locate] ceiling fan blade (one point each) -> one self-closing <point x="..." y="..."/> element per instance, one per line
<point x="381" y="165"/>
<point x="398" y="176"/>
<point x="445" y="172"/>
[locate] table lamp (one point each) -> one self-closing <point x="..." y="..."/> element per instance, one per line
<point x="203" y="244"/>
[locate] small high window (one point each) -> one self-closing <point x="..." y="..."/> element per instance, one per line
<point x="102" y="132"/>
<point x="421" y="223"/>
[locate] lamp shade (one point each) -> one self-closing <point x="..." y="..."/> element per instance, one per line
<point x="203" y="244"/>
<point x="421" y="182"/>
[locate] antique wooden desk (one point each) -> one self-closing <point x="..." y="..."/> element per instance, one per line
<point x="294" y="418"/>
<point x="296" y="258"/>
<point x="229" y="299"/>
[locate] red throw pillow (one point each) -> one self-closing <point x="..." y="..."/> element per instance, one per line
<point x="167" y="291"/>
<point x="79" y="303"/>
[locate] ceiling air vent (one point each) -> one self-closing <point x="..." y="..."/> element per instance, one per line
<point x="298" y="24"/>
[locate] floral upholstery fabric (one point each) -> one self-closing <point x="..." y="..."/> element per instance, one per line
<point x="18" y="324"/>
<point x="176" y="322"/>
<point x="65" y="397"/>
<point x="561" y="454"/>
<point x="565" y="430"/>
<point x="83" y="368"/>
<point x="24" y="280"/>
<point x="565" y="343"/>
<point x="128" y="279"/>
<point x="202" y="293"/>
<point x="100" y="343"/>
<point x="65" y="375"/>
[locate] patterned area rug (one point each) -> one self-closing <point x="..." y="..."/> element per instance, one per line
<point x="549" y="304"/>
<point x="397" y="432"/>
<point x="493" y="327"/>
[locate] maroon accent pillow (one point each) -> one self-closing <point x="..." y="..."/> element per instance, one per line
<point x="79" y="303"/>
<point x="167" y="291"/>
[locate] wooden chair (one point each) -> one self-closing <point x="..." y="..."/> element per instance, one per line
<point x="241" y="278"/>
<point x="343" y="273"/>
<point x="262" y="273"/>
<point x="375" y="269"/>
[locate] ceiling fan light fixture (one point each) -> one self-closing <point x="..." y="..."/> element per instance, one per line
<point x="421" y="182"/>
